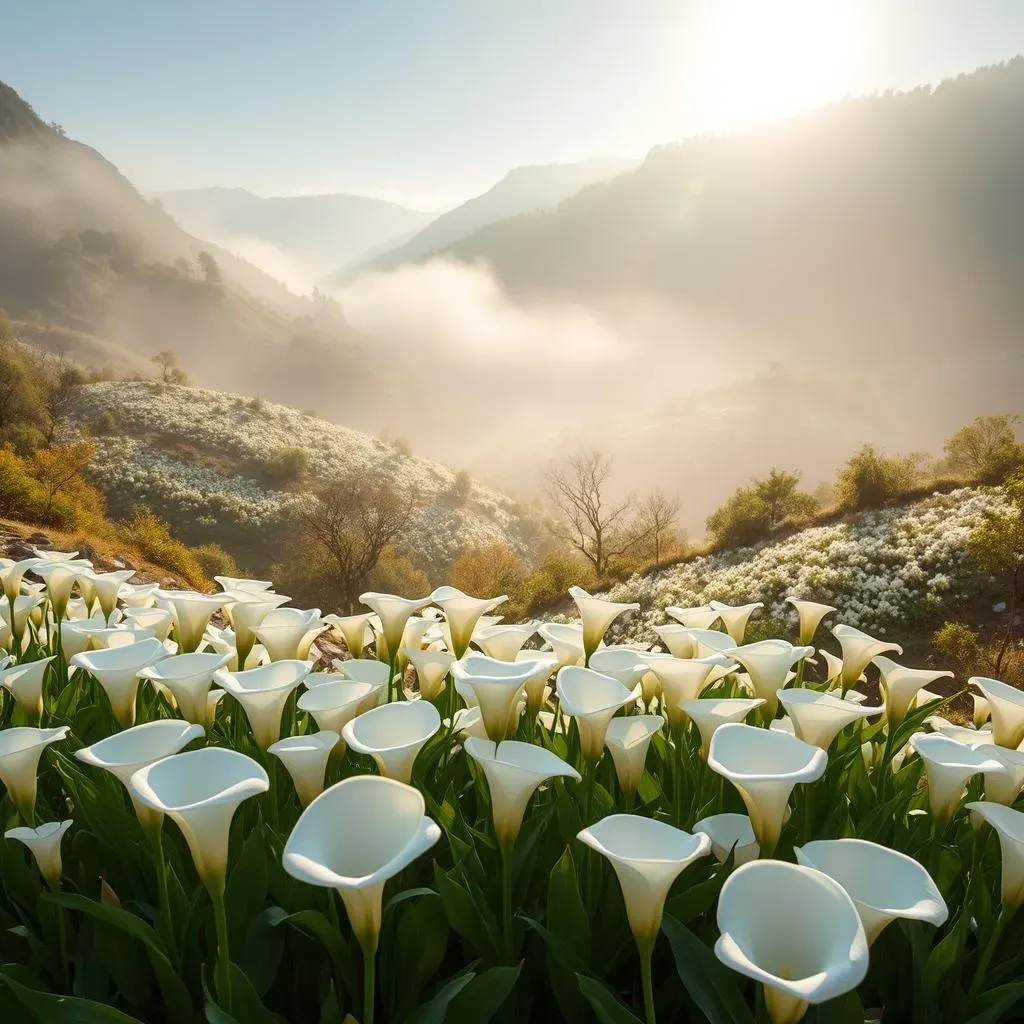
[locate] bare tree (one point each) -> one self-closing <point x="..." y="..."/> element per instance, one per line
<point x="63" y="377"/>
<point x="349" y="522"/>
<point x="170" y="373"/>
<point x="600" y="530"/>
<point x="655" y="521"/>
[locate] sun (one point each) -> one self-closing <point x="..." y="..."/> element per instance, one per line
<point x="762" y="59"/>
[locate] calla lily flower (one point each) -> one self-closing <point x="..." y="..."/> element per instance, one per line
<point x="628" y="740"/>
<point x="222" y="641"/>
<point x="246" y="612"/>
<point x="191" y="613"/>
<point x="764" y="766"/>
<point x="628" y="666"/>
<point x="44" y="844"/>
<point x="124" y="753"/>
<point x="24" y="606"/>
<point x="960" y="733"/>
<point x="535" y="687"/>
<point x="288" y="633"/>
<point x="25" y="683"/>
<point x="462" y="613"/>
<point x="883" y="884"/>
<point x="117" y="670"/>
<point x="200" y="791"/>
<point x="1006" y="707"/>
<point x="982" y="710"/>
<point x="102" y="638"/>
<point x="707" y="642"/>
<point x="821" y="953"/>
<point x="106" y="586"/>
<point x="364" y="670"/>
<point x="701" y="617"/>
<point x="469" y="722"/>
<point x="859" y="650"/>
<point x="730" y="833"/>
<point x="306" y="758"/>
<point x="431" y="669"/>
<point x="357" y="861"/>
<point x="592" y="700"/>
<point x="354" y="629"/>
<point x="819" y="717"/>
<point x="242" y="583"/>
<point x="188" y="677"/>
<point x="597" y="615"/>
<point x="1009" y="826"/>
<point x="683" y="679"/>
<point x="503" y="643"/>
<point x="263" y="693"/>
<point x="768" y="663"/>
<point x="710" y="714"/>
<point x="20" y="750"/>
<point x="514" y="770"/>
<point x="949" y="765"/>
<point x="735" y="617"/>
<point x="1000" y="788"/>
<point x="76" y="635"/>
<point x="565" y="639"/>
<point x="393" y="612"/>
<point x="833" y="668"/>
<point x="901" y="686"/>
<point x="678" y="640"/>
<point x="647" y="855"/>
<point x="334" y="704"/>
<point x="11" y="574"/>
<point x="139" y="595"/>
<point x="58" y="556"/>
<point x="393" y="735"/>
<point x="496" y="687"/>
<point x="157" y="620"/>
<point x="59" y="578"/>
<point x="810" y="614"/>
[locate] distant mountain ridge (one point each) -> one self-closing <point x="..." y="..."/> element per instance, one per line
<point x="523" y="190"/>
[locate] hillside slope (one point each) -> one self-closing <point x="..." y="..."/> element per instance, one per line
<point x="196" y="458"/>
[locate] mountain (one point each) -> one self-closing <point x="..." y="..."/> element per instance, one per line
<point x="312" y="233"/>
<point x="523" y="190"/>
<point x="89" y="266"/>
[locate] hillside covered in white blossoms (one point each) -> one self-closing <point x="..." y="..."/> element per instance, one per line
<point x="197" y="458"/>
<point x="884" y="569"/>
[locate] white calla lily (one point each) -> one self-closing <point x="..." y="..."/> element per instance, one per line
<point x="247" y="611"/>
<point x="535" y="686"/>
<point x="106" y="586"/>
<point x="124" y="753"/>
<point x="647" y="855"/>
<point x="701" y="617"/>
<point x="624" y="664"/>
<point x="901" y="686"/>
<point x="592" y="700"/>
<point x="138" y="595"/>
<point x="819" y="717"/>
<point x="883" y="884"/>
<point x="810" y="614"/>
<point x="949" y="765"/>
<point x="764" y="765"/>
<point x="514" y="771"/>
<point x="462" y="613"/>
<point x="354" y="629"/>
<point x="1006" y="708"/>
<point x="496" y="687"/>
<point x="683" y="679"/>
<point x="244" y="583"/>
<point x="821" y="953"/>
<point x="60" y="578"/>
<point x="597" y="615"/>
<point x="24" y="682"/>
<point x="191" y="612"/>
<point x="678" y="640"/>
<point x="768" y="663"/>
<point x="334" y="704"/>
<point x="833" y="668"/>
<point x="200" y="790"/>
<point x="1003" y="788"/>
<point x="358" y="861"/>
<point x="735" y="617"/>
<point x="1009" y="826"/>
<point x="306" y="759"/>
<point x="158" y="620"/>
<point x="263" y="692"/>
<point x="393" y="735"/>
<point x="117" y="670"/>
<point x="708" y="642"/>
<point x="504" y="642"/>
<point x="628" y="740"/>
<point x="393" y="612"/>
<point x="709" y="714"/>
<point x="11" y="574"/>
<point x="565" y="639"/>
<point x="730" y="833"/>
<point x="20" y="750"/>
<point x="364" y="670"/>
<point x="188" y="677"/>
<point x="432" y="667"/>
<point x="44" y="844"/>
<point x="859" y="650"/>
<point x="288" y="633"/>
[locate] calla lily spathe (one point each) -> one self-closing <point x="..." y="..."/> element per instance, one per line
<point x="263" y="693"/>
<point x="647" y="855"/>
<point x="106" y="586"/>
<point x="431" y="669"/>
<point x="288" y="633"/>
<point x="335" y="703"/>
<point x="819" y="717"/>
<point x="735" y="617"/>
<point x="363" y="670"/>
<point x="794" y="930"/>
<point x="496" y="687"/>
<point x="159" y="620"/>
<point x="730" y="833"/>
<point x="678" y="640"/>
<point x="462" y="613"/>
<point x="354" y="629"/>
<point x="1009" y="826"/>
<point x="810" y="614"/>
<point x="117" y="670"/>
<point x="247" y="611"/>
<point x="566" y="641"/>
<point x="20" y="750"/>
<point x="244" y="583"/>
<point x="356" y="860"/>
<point x="592" y="700"/>
<point x="44" y="844"/>
<point x="200" y="790"/>
<point x="25" y="684"/>
<point x="624" y="664"/>
<point x="504" y="642"/>
<point x="393" y="735"/>
<point x="11" y="574"/>
<point x="859" y="650"/>
<point x="188" y="677"/>
<point x="597" y="615"/>
<point x="982" y="710"/>
<point x="768" y="663"/>
<point x="535" y="687"/>
<point x="393" y="612"/>
<point x="701" y="617"/>
<point x="1006" y="708"/>
<point x="708" y="642"/>
<point x="710" y="714"/>
<point x="59" y="578"/>
<point x="306" y="759"/>
<point x="514" y="771"/>
<point x="191" y="612"/>
<point x="902" y="686"/>
<point x="124" y="753"/>
<point x="683" y="679"/>
<point x="949" y="765"/>
<point x="628" y="739"/>
<point x="1003" y="788"/>
<point x="764" y="765"/>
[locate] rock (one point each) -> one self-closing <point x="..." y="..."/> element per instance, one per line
<point x="40" y="540"/>
<point x="999" y="608"/>
<point x="19" y="549"/>
<point x="121" y="562"/>
<point x="88" y="551"/>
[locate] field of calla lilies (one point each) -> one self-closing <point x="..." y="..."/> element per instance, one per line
<point x="467" y="820"/>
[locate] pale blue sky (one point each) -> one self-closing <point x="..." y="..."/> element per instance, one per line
<point x="428" y="101"/>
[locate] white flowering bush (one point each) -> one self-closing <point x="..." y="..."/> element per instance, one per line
<point x="884" y="569"/>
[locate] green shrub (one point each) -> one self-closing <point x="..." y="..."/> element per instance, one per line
<point x="286" y="467"/>
<point x="107" y="423"/>
<point x="151" y="537"/>
<point x="548" y="582"/>
<point x="463" y="485"/>
<point x="213" y="560"/>
<point x="490" y="571"/>
<point x="754" y="511"/>
<point x="872" y="479"/>
<point x="986" y="449"/>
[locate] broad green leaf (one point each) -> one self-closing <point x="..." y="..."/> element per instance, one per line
<point x="605" y="1005"/>
<point x="464" y="914"/>
<point x="316" y="925"/>
<point x="997" y="1002"/>
<point x="48" y="1008"/>
<point x="435" y="1011"/>
<point x="481" y="999"/>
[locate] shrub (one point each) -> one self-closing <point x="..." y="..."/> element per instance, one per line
<point x="402" y="447"/>
<point x="986" y="449"/>
<point x="213" y="560"/>
<point x="490" y="571"/>
<point x="548" y="582"/>
<point x="286" y="467"/>
<point x="395" y="573"/>
<point x="463" y="485"/>
<point x="754" y="511"/>
<point x="107" y="423"/>
<point x="35" y="490"/>
<point x="959" y="643"/>
<point x="151" y="537"/>
<point x="872" y="479"/>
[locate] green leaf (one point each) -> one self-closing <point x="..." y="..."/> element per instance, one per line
<point x="421" y="940"/>
<point x="484" y="995"/>
<point x="246" y="1004"/>
<point x="997" y="1003"/>
<point x="315" y="925"/>
<point x="434" y="1011"/>
<point x="48" y="1008"/>
<point x="607" y="1008"/>
<point x="464" y="914"/>
<point x="711" y="985"/>
<point x="698" y="899"/>
<point x="566" y="915"/>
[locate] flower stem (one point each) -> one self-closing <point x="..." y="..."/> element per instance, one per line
<point x="223" y="971"/>
<point x="985" y="960"/>
<point x="646" y="950"/>
<point x="506" y="897"/>
<point x="369" y="986"/>
<point x="163" y="910"/>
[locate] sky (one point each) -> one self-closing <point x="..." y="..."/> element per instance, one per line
<point x="426" y="102"/>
